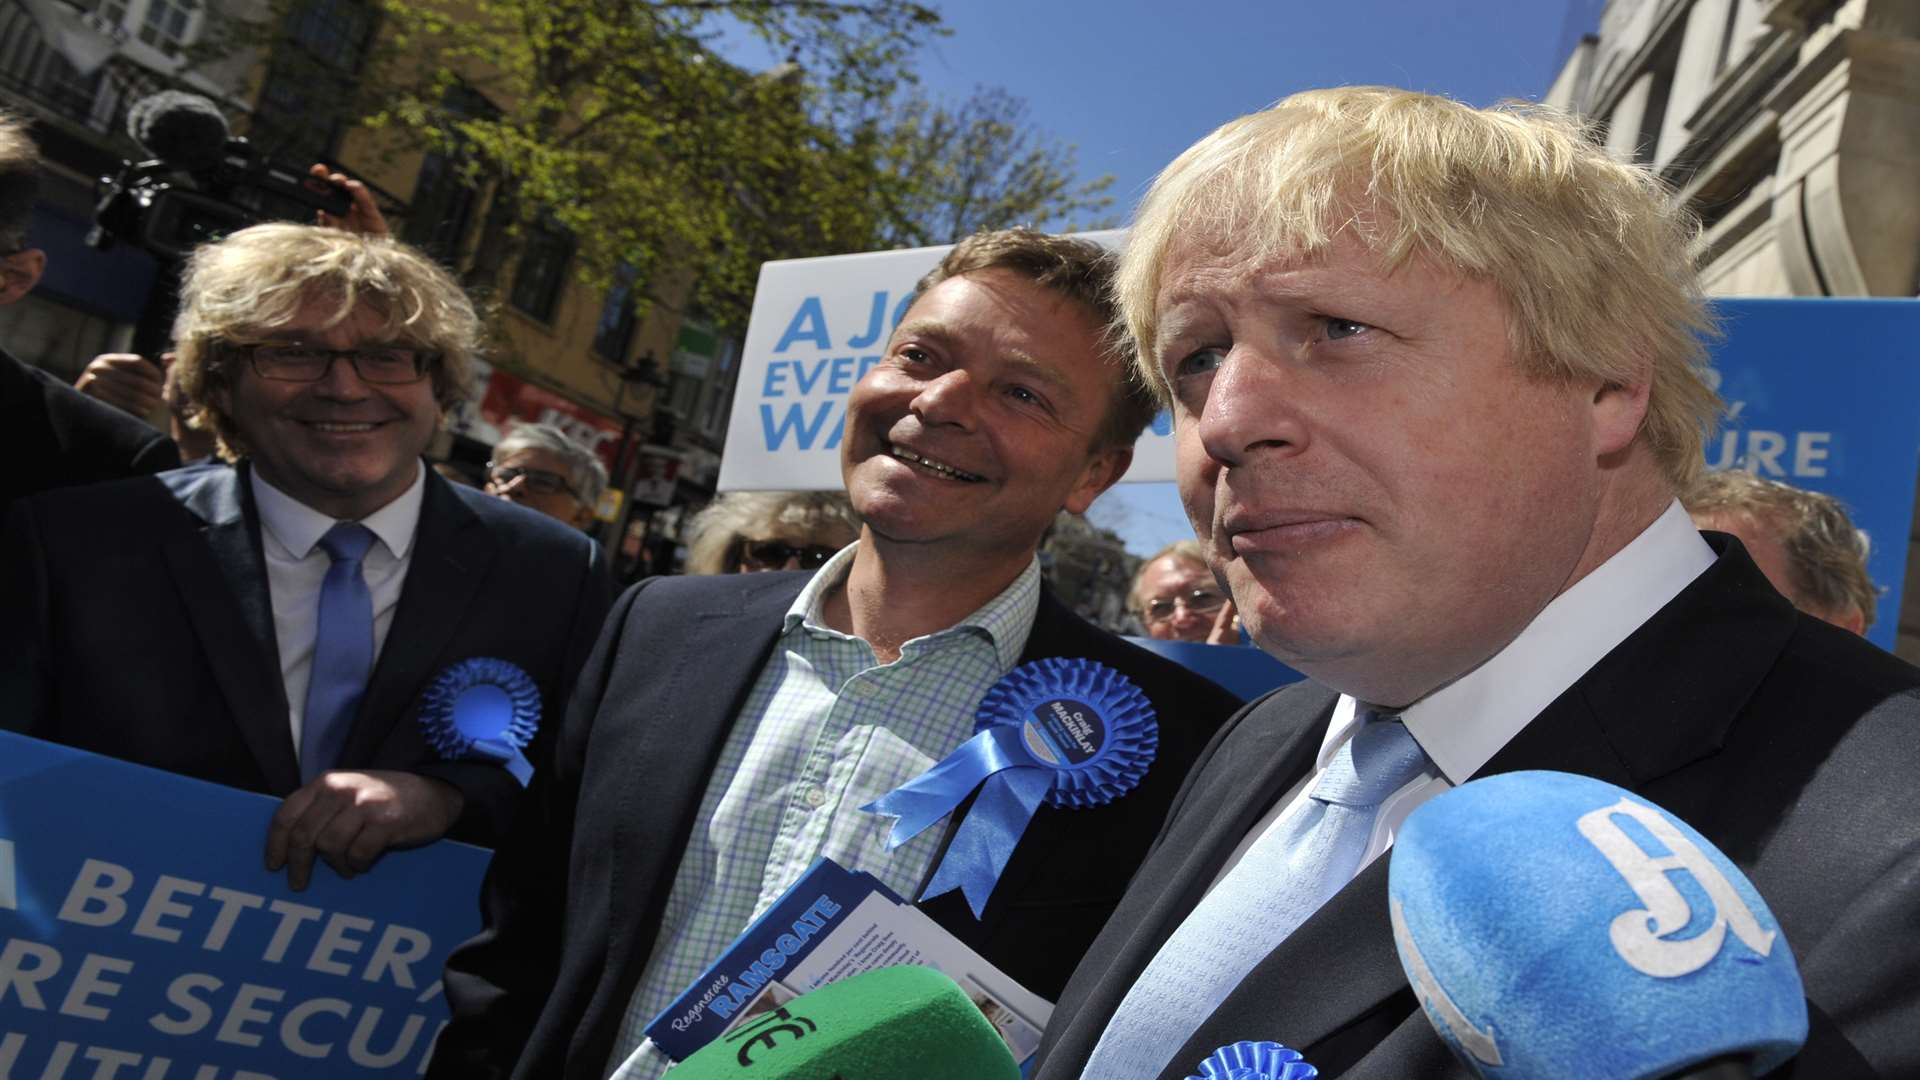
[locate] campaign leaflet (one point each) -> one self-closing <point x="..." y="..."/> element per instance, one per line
<point x="834" y="923"/>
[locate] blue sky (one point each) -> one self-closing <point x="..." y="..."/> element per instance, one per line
<point x="1131" y="83"/>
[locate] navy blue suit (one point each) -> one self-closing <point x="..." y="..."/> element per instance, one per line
<point x="52" y="435"/>
<point x="1790" y="744"/>
<point x="139" y="626"/>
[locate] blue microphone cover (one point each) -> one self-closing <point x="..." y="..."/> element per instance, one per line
<point x="894" y="1022"/>
<point x="1555" y="925"/>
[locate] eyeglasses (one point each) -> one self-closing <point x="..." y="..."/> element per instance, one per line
<point x="539" y="481"/>
<point x="387" y="365"/>
<point x="1196" y="601"/>
<point x="774" y="554"/>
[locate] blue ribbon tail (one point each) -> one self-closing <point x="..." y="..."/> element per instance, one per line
<point x="925" y="799"/>
<point x="988" y="835"/>
<point x="507" y="756"/>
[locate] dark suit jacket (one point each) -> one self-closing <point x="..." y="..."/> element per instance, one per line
<point x="139" y="626"/>
<point x="574" y="898"/>
<point x="52" y="435"/>
<point x="1790" y="744"/>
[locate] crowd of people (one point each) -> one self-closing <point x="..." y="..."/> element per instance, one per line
<point x="1436" y="377"/>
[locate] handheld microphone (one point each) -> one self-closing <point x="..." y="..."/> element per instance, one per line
<point x="879" y="1025"/>
<point x="1555" y="925"/>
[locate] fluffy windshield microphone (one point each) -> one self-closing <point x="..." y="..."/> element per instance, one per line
<point x="184" y="130"/>
<point x="1554" y="925"/>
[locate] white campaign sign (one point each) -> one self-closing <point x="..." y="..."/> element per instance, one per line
<point x="818" y="325"/>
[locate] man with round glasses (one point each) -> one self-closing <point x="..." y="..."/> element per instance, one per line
<point x="274" y="626"/>
<point x="542" y="468"/>
<point x="1176" y="598"/>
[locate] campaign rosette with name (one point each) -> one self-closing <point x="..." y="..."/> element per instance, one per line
<point x="1073" y="733"/>
<point x="1255" y="1061"/>
<point x="482" y="709"/>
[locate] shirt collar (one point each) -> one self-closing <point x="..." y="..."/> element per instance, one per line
<point x="298" y="527"/>
<point x="1464" y="723"/>
<point x="1006" y="619"/>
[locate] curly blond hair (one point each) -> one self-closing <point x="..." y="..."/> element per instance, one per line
<point x="255" y="281"/>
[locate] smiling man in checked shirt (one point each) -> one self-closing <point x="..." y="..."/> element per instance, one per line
<point x="728" y="729"/>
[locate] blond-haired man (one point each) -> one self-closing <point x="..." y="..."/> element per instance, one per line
<point x="1802" y="540"/>
<point x="274" y="625"/>
<point x="1435" y="379"/>
<point x="1176" y="598"/>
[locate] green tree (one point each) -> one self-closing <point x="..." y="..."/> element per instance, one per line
<point x="949" y="172"/>
<point x="619" y="121"/>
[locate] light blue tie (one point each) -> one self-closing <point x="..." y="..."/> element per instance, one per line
<point x="342" y="650"/>
<point x="1284" y="877"/>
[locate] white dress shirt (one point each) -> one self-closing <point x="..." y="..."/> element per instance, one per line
<point x="290" y="533"/>
<point x="1464" y="723"/>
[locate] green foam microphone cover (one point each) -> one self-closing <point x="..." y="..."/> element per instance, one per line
<point x="880" y="1025"/>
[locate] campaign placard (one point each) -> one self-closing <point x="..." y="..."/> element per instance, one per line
<point x="1820" y="393"/>
<point x="816" y="327"/>
<point x="141" y="936"/>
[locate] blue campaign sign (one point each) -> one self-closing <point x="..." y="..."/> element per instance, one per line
<point x="1241" y="670"/>
<point x="141" y="937"/>
<point x="1825" y="394"/>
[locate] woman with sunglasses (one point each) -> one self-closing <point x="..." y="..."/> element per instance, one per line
<point x="747" y="531"/>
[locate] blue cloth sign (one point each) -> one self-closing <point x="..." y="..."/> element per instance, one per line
<point x="140" y="935"/>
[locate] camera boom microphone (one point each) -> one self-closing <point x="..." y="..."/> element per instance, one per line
<point x="186" y="131"/>
<point x="1555" y="925"/>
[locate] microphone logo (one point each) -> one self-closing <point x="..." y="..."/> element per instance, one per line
<point x="1477" y="1043"/>
<point x="1640" y="936"/>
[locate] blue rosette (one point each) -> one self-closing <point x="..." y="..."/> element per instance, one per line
<point x="482" y="709"/>
<point x="1255" y="1061"/>
<point x="1071" y="733"/>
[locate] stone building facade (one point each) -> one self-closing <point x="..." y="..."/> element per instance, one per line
<point x="1792" y="127"/>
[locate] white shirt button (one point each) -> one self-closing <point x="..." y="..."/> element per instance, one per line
<point x="815" y="797"/>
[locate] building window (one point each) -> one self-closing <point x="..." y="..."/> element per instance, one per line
<point x="169" y="24"/>
<point x="613" y="334"/>
<point x="333" y="32"/>
<point x="542" y="270"/>
<point x="443" y="199"/>
<point x="310" y="78"/>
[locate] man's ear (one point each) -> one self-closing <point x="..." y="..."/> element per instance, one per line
<point x="1102" y="471"/>
<point x="1618" y="411"/>
<point x="20" y="272"/>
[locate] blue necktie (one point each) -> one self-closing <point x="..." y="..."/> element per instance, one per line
<point x="342" y="650"/>
<point x="1284" y="877"/>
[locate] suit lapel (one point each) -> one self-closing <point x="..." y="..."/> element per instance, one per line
<point x="1251" y="768"/>
<point x="665" y="739"/>
<point x="1645" y="710"/>
<point x="452" y="550"/>
<point x="222" y="577"/>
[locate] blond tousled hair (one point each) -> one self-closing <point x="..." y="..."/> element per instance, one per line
<point x="238" y="289"/>
<point x="717" y="533"/>
<point x="1591" y="255"/>
<point x="1826" y="553"/>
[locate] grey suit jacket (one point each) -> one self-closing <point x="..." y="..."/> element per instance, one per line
<point x="1791" y="745"/>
